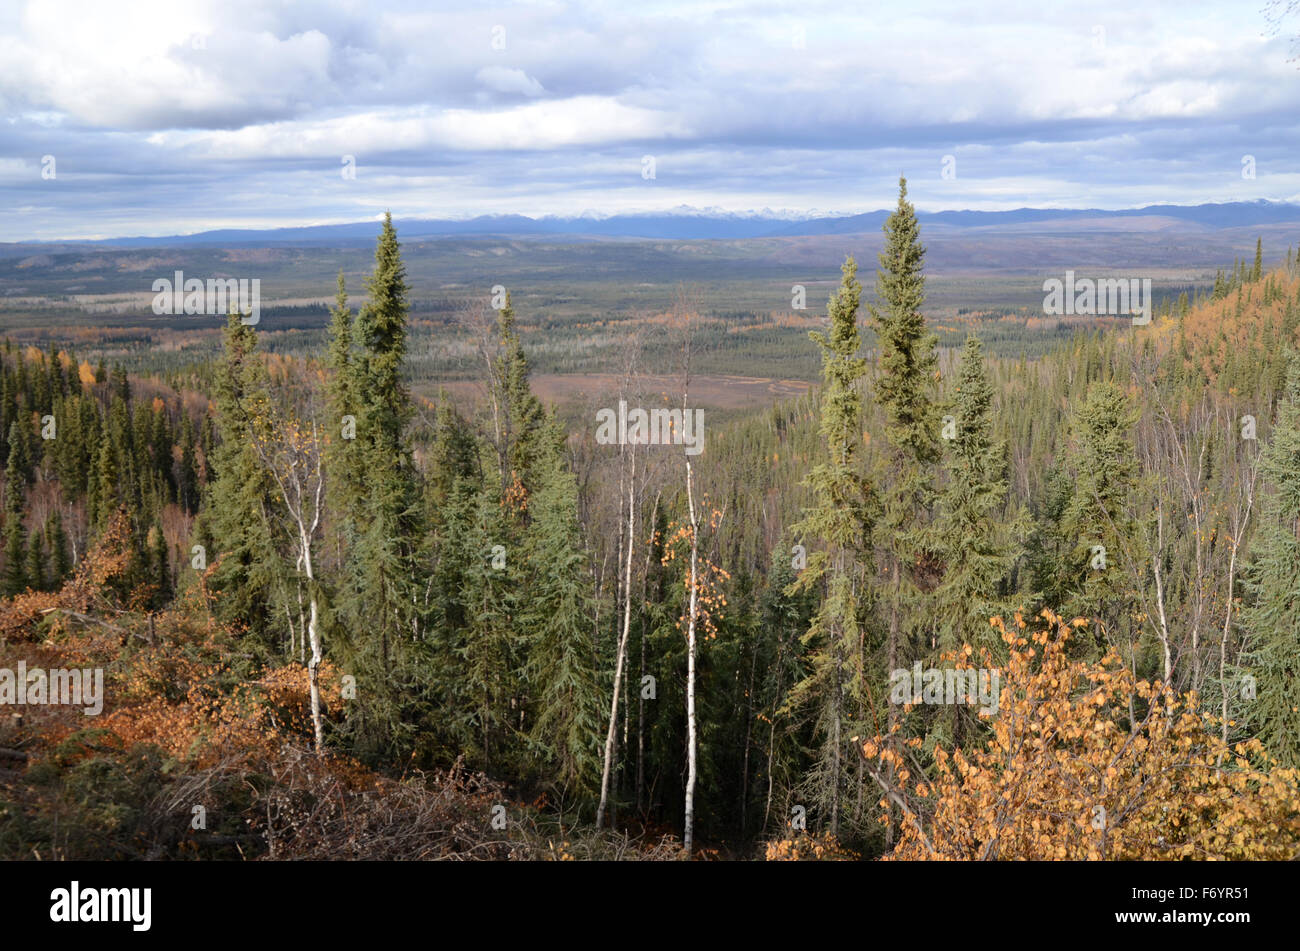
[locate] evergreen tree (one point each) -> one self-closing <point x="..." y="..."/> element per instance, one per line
<point x="61" y="561"/>
<point x="523" y="415"/>
<point x="384" y="591"/>
<point x="107" y="483"/>
<point x="18" y="466"/>
<point x="1096" y="529"/>
<point x="187" y="481"/>
<point x="34" y="570"/>
<point x="343" y="453"/>
<point x="557" y="621"/>
<point x="1271" y="578"/>
<point x="486" y="675"/>
<point x="971" y="536"/>
<point x="247" y="572"/>
<point x="784" y="618"/>
<point x="14" y="580"/>
<point x="74" y="375"/>
<point x="904" y="391"/>
<point x="15" y="573"/>
<point x="160" y="566"/>
<point x="836" y="534"/>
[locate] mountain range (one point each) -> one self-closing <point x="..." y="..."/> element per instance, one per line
<point x="693" y="224"/>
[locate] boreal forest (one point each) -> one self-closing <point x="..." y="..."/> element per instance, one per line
<point x="953" y="602"/>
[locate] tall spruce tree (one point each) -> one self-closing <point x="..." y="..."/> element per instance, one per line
<point x="14" y="580"/>
<point x="248" y="574"/>
<point x="343" y="450"/>
<point x="523" y="414"/>
<point x="973" y="540"/>
<point x="835" y="534"/>
<point x="557" y="621"/>
<point x="1096" y="531"/>
<point x="905" y="391"/>
<point x="384" y="588"/>
<point x="1272" y="580"/>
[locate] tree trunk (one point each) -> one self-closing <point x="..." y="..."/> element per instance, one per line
<point x="689" y="834"/>
<point x="892" y="665"/>
<point x="313" y="634"/>
<point x="622" y="649"/>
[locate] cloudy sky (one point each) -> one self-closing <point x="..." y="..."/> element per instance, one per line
<point x="174" y="116"/>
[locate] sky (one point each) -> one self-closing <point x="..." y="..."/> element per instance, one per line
<point x="159" y="117"/>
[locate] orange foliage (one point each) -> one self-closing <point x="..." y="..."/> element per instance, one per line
<point x="108" y="558"/>
<point x="709" y="577"/>
<point x="1065" y="775"/>
<point x="823" y="847"/>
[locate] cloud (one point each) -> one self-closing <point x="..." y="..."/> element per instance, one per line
<point x="501" y="79"/>
<point x="552" y="124"/>
<point x="177" y="111"/>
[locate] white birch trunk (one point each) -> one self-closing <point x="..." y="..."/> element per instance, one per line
<point x="622" y="648"/>
<point x="689" y="835"/>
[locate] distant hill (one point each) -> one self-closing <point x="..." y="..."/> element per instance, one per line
<point x="690" y="224"/>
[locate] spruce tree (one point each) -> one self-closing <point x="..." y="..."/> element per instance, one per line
<point x="18" y="466"/>
<point x="14" y="580"/>
<point x="187" y="481"/>
<point x="1272" y="580"/>
<point x="161" y="566"/>
<point x="60" y="560"/>
<point x="15" y="573"/>
<point x="247" y="572"/>
<point x="904" y="390"/>
<point x="343" y="448"/>
<point x="835" y="534"/>
<point x="972" y="537"/>
<point x="523" y="415"/>
<point x="557" y="622"/>
<point x="384" y="588"/>
<point x="34" y="570"/>
<point x="107" y="482"/>
<point x="74" y="375"/>
<point x="486" y="647"/>
<point x="1096" y="529"/>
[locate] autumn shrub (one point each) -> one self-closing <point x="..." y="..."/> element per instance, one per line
<point x="1084" y="761"/>
<point x="37" y="613"/>
<point x="816" y="847"/>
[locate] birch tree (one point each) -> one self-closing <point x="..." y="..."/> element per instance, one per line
<point x="292" y="454"/>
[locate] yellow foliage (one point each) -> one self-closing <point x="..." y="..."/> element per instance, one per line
<point x="1064" y="774"/>
<point x="809" y="848"/>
